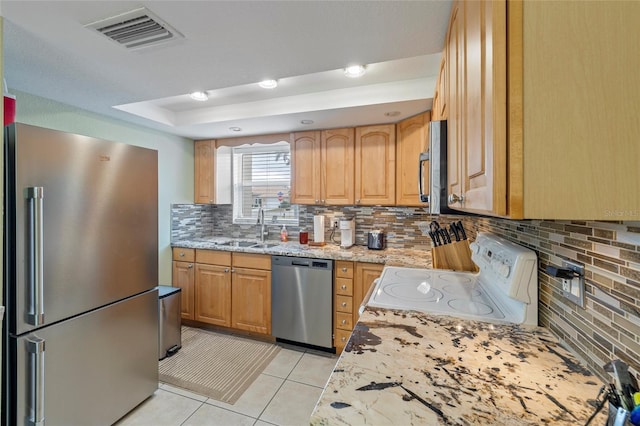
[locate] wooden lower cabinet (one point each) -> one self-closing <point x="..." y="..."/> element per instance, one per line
<point x="352" y="282"/>
<point x="251" y="300"/>
<point x="183" y="277"/>
<point x="213" y="294"/>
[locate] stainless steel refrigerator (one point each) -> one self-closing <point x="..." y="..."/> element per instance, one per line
<point x="80" y="271"/>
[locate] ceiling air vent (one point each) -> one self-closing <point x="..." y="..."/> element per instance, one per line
<point x="136" y="29"/>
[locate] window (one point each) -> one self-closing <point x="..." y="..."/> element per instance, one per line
<point x="262" y="177"/>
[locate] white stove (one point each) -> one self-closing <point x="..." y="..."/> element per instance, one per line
<point x="505" y="290"/>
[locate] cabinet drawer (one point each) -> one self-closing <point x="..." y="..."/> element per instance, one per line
<point x="184" y="254"/>
<point x="213" y="257"/>
<point x="344" y="286"/>
<point x="342" y="337"/>
<point x="344" y="269"/>
<point x="344" y="321"/>
<point x="252" y="261"/>
<point x="344" y="304"/>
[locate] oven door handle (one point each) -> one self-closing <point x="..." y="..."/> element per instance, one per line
<point x="424" y="156"/>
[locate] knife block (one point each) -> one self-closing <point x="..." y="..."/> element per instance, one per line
<point x="455" y="256"/>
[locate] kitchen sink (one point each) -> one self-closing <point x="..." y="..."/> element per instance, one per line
<point x="265" y="245"/>
<point x="248" y="244"/>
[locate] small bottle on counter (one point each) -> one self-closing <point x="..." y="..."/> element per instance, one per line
<point x="284" y="235"/>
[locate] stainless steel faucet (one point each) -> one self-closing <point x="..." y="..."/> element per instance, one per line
<point x="264" y="231"/>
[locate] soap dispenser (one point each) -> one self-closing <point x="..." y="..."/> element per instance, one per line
<point x="284" y="235"/>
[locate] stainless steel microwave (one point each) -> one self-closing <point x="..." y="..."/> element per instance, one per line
<point x="435" y="161"/>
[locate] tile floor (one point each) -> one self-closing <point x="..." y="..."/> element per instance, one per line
<point x="284" y="394"/>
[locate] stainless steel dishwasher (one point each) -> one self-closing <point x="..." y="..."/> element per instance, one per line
<point x="302" y="300"/>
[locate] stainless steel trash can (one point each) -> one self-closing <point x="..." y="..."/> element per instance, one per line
<point x="170" y="336"/>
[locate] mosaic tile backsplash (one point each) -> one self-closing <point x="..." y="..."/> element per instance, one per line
<point x="607" y="328"/>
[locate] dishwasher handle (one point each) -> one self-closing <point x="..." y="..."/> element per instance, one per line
<point x="300" y="263"/>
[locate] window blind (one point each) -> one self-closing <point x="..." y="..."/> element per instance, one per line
<point x="262" y="177"/>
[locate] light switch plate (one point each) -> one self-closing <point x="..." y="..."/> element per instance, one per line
<point x="573" y="290"/>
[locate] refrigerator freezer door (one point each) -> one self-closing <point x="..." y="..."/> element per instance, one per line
<point x="86" y="224"/>
<point x="96" y="367"/>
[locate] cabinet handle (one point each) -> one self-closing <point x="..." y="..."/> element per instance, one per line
<point x="226" y="269"/>
<point x="343" y="287"/>
<point x="210" y="201"/>
<point x="344" y="322"/>
<point x="344" y="269"/>
<point x="344" y="304"/>
<point x="343" y="339"/>
<point x="322" y="201"/>
<point x="233" y="270"/>
<point x="317" y="201"/>
<point x="190" y="266"/>
<point x="181" y="254"/>
<point x="453" y="198"/>
<point x="357" y="201"/>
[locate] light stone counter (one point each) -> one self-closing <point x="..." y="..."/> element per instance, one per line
<point x="409" y="368"/>
<point x="389" y="256"/>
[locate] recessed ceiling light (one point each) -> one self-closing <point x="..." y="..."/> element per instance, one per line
<point x="306" y="121"/>
<point x="354" y="71"/>
<point x="268" y="84"/>
<point x="235" y="129"/>
<point x="199" y="96"/>
<point x="392" y="113"/>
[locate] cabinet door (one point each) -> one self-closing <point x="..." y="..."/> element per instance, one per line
<point x="455" y="74"/>
<point x="305" y="168"/>
<point x="376" y="165"/>
<point x="204" y="188"/>
<point x="251" y="300"/>
<point x="183" y="277"/>
<point x="413" y="136"/>
<point x="484" y="180"/>
<point x="213" y="294"/>
<point x="338" y="167"/>
<point x="365" y="274"/>
<point x="442" y="90"/>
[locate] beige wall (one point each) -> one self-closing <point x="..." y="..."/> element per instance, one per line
<point x="175" y="155"/>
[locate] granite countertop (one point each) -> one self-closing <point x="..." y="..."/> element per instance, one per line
<point x="405" y="367"/>
<point x="389" y="256"/>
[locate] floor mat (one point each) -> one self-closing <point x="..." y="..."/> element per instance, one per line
<point x="216" y="365"/>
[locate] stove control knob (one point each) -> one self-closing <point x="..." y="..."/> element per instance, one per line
<point x="503" y="270"/>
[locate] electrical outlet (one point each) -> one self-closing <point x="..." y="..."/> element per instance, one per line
<point x="573" y="289"/>
<point x="335" y="223"/>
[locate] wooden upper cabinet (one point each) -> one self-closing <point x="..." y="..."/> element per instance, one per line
<point x="322" y="167"/>
<point x="337" y="186"/>
<point x="204" y="172"/>
<point x="455" y="73"/>
<point x="476" y="68"/>
<point x="375" y="165"/>
<point x="412" y="139"/>
<point x="528" y="147"/>
<point x="305" y="167"/>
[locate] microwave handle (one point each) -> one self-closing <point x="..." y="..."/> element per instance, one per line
<point x="424" y="198"/>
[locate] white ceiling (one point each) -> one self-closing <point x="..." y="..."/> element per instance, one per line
<point x="229" y="46"/>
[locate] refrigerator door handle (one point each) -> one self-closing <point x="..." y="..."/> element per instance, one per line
<point x="35" y="255"/>
<point x="35" y="404"/>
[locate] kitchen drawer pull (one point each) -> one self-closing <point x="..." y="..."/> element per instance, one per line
<point x="226" y="269"/>
<point x="344" y="269"/>
<point x="35" y="254"/>
<point x="343" y="287"/>
<point x="344" y="322"/>
<point x="190" y="266"/>
<point x="344" y="304"/>
<point x="181" y="254"/>
<point x="343" y="338"/>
